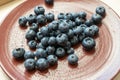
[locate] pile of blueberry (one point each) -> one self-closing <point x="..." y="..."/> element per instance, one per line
<point x="54" y="38"/>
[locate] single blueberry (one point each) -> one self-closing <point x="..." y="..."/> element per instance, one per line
<point x="89" y="22"/>
<point x="50" y="50"/>
<point x="49" y="2"/>
<point x="41" y="19"/>
<point x="100" y="10"/>
<point x="44" y="31"/>
<point x="32" y="44"/>
<point x="79" y="21"/>
<point x="97" y="19"/>
<point x="34" y="27"/>
<point x="72" y="59"/>
<point x="52" y="41"/>
<point x="82" y="15"/>
<point x="52" y="60"/>
<point x="89" y="31"/>
<point x="31" y="18"/>
<point x="30" y="35"/>
<point x="39" y="36"/>
<point x="39" y="10"/>
<point x="28" y="55"/>
<point x="70" y="33"/>
<point x="60" y="52"/>
<point x="61" y="16"/>
<point x="64" y="27"/>
<point x="22" y="21"/>
<point x="50" y="17"/>
<point x="95" y="28"/>
<point x="29" y="64"/>
<point x="44" y="41"/>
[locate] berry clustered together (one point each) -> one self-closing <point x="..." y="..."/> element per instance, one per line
<point x="56" y="38"/>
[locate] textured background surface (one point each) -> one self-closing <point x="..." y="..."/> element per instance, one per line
<point x="6" y="8"/>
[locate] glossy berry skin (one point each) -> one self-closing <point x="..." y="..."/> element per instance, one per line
<point x="82" y="15"/>
<point x="34" y="27"/>
<point x="63" y="27"/>
<point x="52" y="60"/>
<point x="28" y="55"/>
<point x="18" y="53"/>
<point x="75" y="15"/>
<point x="72" y="59"/>
<point x="41" y="19"/>
<point x="44" y="30"/>
<point x="70" y="33"/>
<point x="79" y="21"/>
<point x="100" y="10"/>
<point x="49" y="2"/>
<point x="39" y="45"/>
<point x="68" y="16"/>
<point x="96" y="18"/>
<point x="50" y="50"/>
<point x="95" y="28"/>
<point x="78" y="30"/>
<point x="61" y="39"/>
<point x="50" y="17"/>
<point x="22" y="21"/>
<point x="60" y="52"/>
<point x="67" y="45"/>
<point x="52" y="41"/>
<point x="39" y="10"/>
<point x="32" y="44"/>
<point x="44" y="41"/>
<point x="29" y="64"/>
<point x="70" y="51"/>
<point x="83" y="26"/>
<point x="71" y="24"/>
<point x="42" y="64"/>
<point x="40" y="53"/>
<point x="61" y="16"/>
<point x="30" y="35"/>
<point x="89" y="22"/>
<point x="31" y="18"/>
<point x="39" y="36"/>
<point x="74" y="40"/>
<point x="88" y="43"/>
<point x="55" y="25"/>
<point x="89" y="31"/>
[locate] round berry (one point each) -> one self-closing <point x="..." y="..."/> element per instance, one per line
<point x="34" y="27"/>
<point x="39" y="36"/>
<point x="30" y="35"/>
<point x="32" y="44"/>
<point x="40" y="53"/>
<point x="50" y="50"/>
<point x="60" y="52"/>
<point x="95" y="28"/>
<point x="18" y="53"/>
<point x="75" y="15"/>
<point x="52" y="41"/>
<point x="39" y="45"/>
<point x="44" y="41"/>
<point x="22" y="21"/>
<point x="68" y="16"/>
<point x="44" y="31"/>
<point x="72" y="59"/>
<point x="29" y="64"/>
<point x="88" y="43"/>
<point x="100" y="10"/>
<point x="82" y="15"/>
<point x="89" y="22"/>
<point x="39" y="10"/>
<point x="79" y="21"/>
<point x="42" y="64"/>
<point x="49" y="2"/>
<point x="64" y="27"/>
<point x="89" y="31"/>
<point x="31" y="19"/>
<point x="61" y="16"/>
<point x="41" y="19"/>
<point x="52" y="60"/>
<point x="29" y="54"/>
<point x="81" y="36"/>
<point x="70" y="33"/>
<point x="74" y="40"/>
<point x="78" y="30"/>
<point x="96" y="18"/>
<point x="70" y="51"/>
<point x="50" y="17"/>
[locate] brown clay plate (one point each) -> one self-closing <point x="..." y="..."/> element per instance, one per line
<point x="99" y="64"/>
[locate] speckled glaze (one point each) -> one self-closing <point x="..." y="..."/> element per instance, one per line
<point x="102" y="63"/>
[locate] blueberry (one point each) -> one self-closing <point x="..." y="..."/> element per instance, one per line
<point x="49" y="2"/>
<point x="22" y="21"/>
<point x="88" y="43"/>
<point x="61" y="39"/>
<point x="75" y="15"/>
<point x="61" y="16"/>
<point x="68" y="16"/>
<point x="70" y="33"/>
<point x="95" y="28"/>
<point x="39" y="36"/>
<point x="30" y="35"/>
<point x="74" y="40"/>
<point x="52" y="41"/>
<point x="64" y="27"/>
<point x="100" y="10"/>
<point x="34" y="27"/>
<point x="72" y="59"/>
<point x="39" y="10"/>
<point x="89" y="22"/>
<point x="32" y="44"/>
<point x="57" y="32"/>
<point x="78" y="30"/>
<point x="52" y="60"/>
<point x="50" y="17"/>
<point x="70" y="51"/>
<point x="44" y="41"/>
<point x="18" y="53"/>
<point x="89" y="31"/>
<point x="29" y="54"/>
<point x="44" y="31"/>
<point x="42" y="64"/>
<point x="41" y="19"/>
<point x="29" y="64"/>
<point x="55" y="25"/>
<point x="96" y="18"/>
<point x="70" y="23"/>
<point x="39" y="45"/>
<point x="83" y="26"/>
<point x="82" y="15"/>
<point x="50" y="50"/>
<point x="79" y="21"/>
<point x="60" y="52"/>
<point x="81" y="36"/>
<point x="31" y="19"/>
<point x="40" y="53"/>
